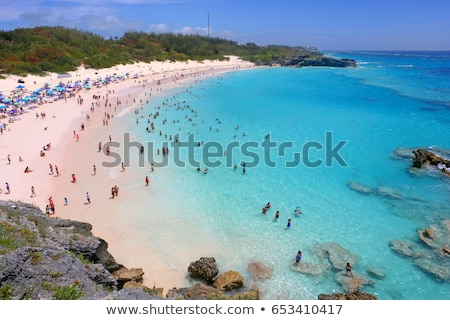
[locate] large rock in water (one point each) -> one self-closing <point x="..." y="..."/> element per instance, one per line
<point x="205" y="268"/>
<point x="423" y="157"/>
<point x="228" y="281"/>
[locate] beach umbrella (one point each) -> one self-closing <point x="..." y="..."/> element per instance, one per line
<point x="20" y="87"/>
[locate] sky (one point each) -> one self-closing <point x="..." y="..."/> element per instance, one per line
<point x="324" y="24"/>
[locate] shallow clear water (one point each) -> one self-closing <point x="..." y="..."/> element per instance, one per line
<point x="391" y="100"/>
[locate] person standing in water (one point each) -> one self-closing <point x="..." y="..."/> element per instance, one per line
<point x="348" y="269"/>
<point x="298" y="257"/>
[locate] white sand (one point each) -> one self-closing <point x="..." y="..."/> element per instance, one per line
<point x="27" y="135"/>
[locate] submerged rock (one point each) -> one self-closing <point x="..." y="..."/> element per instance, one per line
<point x="439" y="269"/>
<point x="376" y="272"/>
<point x="337" y="255"/>
<point x="259" y="270"/>
<point x="349" y="283"/>
<point x="313" y="269"/>
<point x="359" y="187"/>
<point x="389" y="192"/>
<point x="405" y="248"/>
<point x="406" y="153"/>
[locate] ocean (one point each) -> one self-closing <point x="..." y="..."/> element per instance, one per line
<point x="334" y="143"/>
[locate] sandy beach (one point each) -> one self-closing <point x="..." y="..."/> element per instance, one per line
<point x="68" y="132"/>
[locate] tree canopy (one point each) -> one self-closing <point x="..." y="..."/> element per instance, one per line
<point x="59" y="49"/>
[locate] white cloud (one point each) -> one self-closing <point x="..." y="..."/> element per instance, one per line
<point x="194" y="30"/>
<point x="159" y="28"/>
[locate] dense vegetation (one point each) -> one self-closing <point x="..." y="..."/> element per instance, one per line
<point x="57" y="49"/>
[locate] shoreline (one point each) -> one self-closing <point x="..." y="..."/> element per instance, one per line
<point x="26" y="137"/>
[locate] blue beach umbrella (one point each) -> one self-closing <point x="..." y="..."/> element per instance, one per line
<point x="20" y="87"/>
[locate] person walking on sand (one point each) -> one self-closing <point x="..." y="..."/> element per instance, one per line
<point x="66" y="201"/>
<point x="88" y="198"/>
<point x="95" y="170"/>
<point x="348" y="269"/>
<point x="8" y="191"/>
<point x="147" y="181"/>
<point x="33" y="194"/>
<point x="9" y="159"/>
<point x="47" y="211"/>
<point x="52" y="205"/>
<point x="74" y="178"/>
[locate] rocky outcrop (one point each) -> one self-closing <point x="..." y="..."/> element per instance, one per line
<point x="230" y="280"/>
<point x="46" y="258"/>
<point x="347" y="296"/>
<point x="205" y="268"/>
<point x="198" y="291"/>
<point x="125" y="275"/>
<point x="424" y="157"/>
<point x="309" y="59"/>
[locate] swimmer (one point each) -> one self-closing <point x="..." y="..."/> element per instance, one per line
<point x="289" y="223"/>
<point x="267" y="205"/>
<point x="205" y="171"/>
<point x="277" y="215"/>
<point x="297" y="210"/>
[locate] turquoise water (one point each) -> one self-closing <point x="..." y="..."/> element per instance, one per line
<point x="392" y="100"/>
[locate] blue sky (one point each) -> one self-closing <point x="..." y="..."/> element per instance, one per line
<point x="325" y="24"/>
